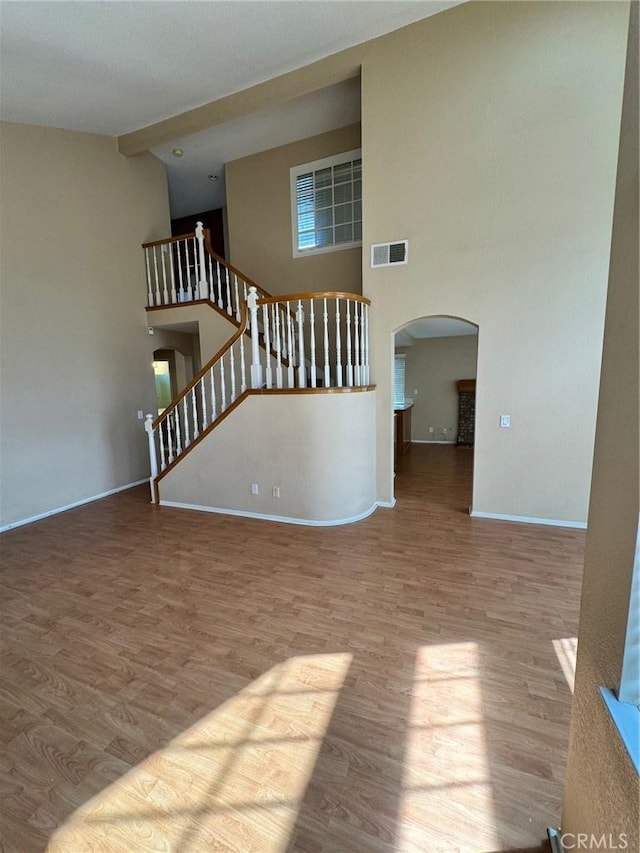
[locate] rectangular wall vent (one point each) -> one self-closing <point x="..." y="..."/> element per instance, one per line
<point x="389" y="254"/>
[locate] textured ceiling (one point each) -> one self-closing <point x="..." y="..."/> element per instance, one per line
<point x="114" y="67"/>
<point x="434" y="327"/>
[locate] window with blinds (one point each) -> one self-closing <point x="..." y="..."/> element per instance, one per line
<point x="398" y="379"/>
<point x="326" y="204"/>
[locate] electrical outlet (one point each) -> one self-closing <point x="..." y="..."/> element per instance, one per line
<point x="431" y="429"/>
<point x="254" y="488"/>
<point x="276" y="491"/>
<point x="140" y="415"/>
<point x="415" y="392"/>
<point x="505" y="421"/>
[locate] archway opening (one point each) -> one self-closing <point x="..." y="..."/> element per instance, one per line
<point x="434" y="411"/>
<point x="172" y="370"/>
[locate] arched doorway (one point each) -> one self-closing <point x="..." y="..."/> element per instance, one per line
<point x="172" y="370"/>
<point x="434" y="393"/>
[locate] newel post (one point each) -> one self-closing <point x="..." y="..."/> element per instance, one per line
<point x="203" y="284"/>
<point x="256" y="367"/>
<point x="153" y="460"/>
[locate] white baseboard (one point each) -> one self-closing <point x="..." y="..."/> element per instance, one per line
<point x="528" y="519"/>
<point x="71" y="506"/>
<point x="284" y="519"/>
<point x="422" y="441"/>
<point x="387" y="504"/>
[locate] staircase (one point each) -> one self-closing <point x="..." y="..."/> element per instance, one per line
<point x="297" y="343"/>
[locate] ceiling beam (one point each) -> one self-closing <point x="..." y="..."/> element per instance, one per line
<point x="325" y="72"/>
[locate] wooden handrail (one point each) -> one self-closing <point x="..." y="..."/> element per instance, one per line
<point x="234" y="270"/>
<point x="223" y="349"/>
<point x="168" y="240"/>
<point x="320" y="294"/>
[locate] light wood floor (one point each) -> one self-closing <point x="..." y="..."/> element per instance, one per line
<point x="178" y="681"/>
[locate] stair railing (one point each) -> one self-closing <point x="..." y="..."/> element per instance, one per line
<point x="204" y="400"/>
<point x="326" y="334"/>
<point x="186" y="269"/>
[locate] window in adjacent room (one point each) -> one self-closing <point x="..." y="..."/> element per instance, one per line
<point x="398" y="379"/>
<point x="326" y="204"/>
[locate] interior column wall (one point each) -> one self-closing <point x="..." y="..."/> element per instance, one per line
<point x="489" y="142"/>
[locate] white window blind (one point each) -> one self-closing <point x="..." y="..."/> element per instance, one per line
<point x="326" y="204"/>
<point x="398" y="379"/>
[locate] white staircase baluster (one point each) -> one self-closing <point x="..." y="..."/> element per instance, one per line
<point x="366" y="345"/>
<point x="290" y="370"/>
<point x="235" y="289"/>
<point x="232" y="369"/>
<point x="223" y="386"/>
<point x="165" y="292"/>
<point x="203" y="403"/>
<point x="194" y="278"/>
<point x="302" y="370"/>
<point x="229" y="308"/>
<point x="187" y="442"/>
<point x="176" y="420"/>
<point x="149" y="285"/>
<point x="256" y="366"/>
<point x="268" y="372"/>
<point x="163" y="462"/>
<point x="278" y="343"/>
<point x="243" y="367"/>
<point x="312" y="343"/>
<point x="170" y="456"/>
<point x="338" y="347"/>
<point x="203" y="284"/>
<point x="212" y="289"/>
<point x="244" y="291"/>
<point x="181" y="294"/>
<point x="356" y="342"/>
<point x="349" y="362"/>
<point x="213" y="394"/>
<point x="325" y="335"/>
<point x="219" y="279"/>
<point x="153" y="461"/>
<point x="174" y="297"/>
<point x="194" y="410"/>
<point x="157" y="276"/>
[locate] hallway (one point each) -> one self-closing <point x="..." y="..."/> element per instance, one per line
<point x="189" y="682"/>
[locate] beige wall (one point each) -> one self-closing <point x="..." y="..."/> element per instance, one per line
<point x="75" y="352"/>
<point x="433" y="366"/>
<point x="214" y="330"/>
<point x="187" y="349"/>
<point x="489" y="141"/>
<point x="259" y="219"/>
<point x="602" y="793"/>
<point x="318" y="448"/>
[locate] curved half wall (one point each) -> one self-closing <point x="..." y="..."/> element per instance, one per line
<point x="317" y="449"/>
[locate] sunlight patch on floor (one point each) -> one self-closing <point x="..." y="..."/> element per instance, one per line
<point x="446" y="749"/>
<point x="566" y="650"/>
<point x="233" y="780"/>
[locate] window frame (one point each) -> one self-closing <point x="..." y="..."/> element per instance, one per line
<point x="294" y="174"/>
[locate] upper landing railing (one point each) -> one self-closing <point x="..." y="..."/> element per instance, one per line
<point x="186" y="269"/>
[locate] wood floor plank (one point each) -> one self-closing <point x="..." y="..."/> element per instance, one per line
<point x="184" y="682"/>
